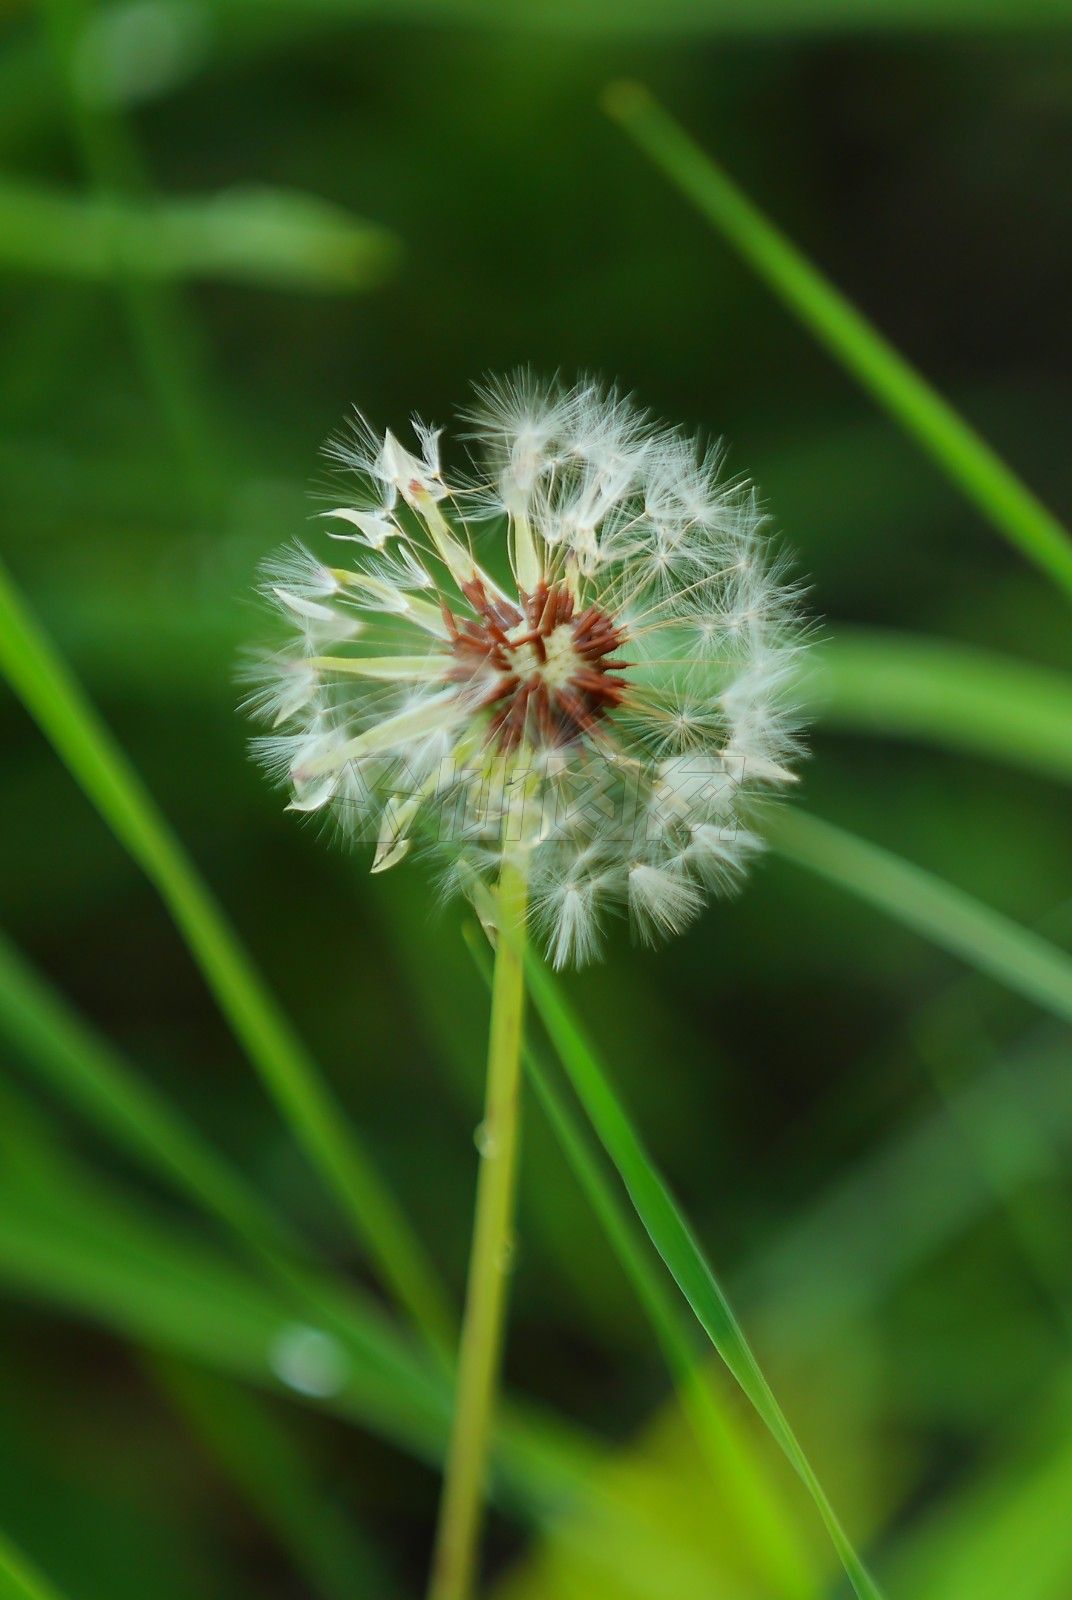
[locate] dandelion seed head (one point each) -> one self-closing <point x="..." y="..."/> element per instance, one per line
<point x="607" y="693"/>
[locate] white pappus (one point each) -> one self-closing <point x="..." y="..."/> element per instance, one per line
<point x="605" y="696"/>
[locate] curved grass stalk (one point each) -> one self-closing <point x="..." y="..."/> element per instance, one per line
<point x="958" y="450"/>
<point x="276" y="237"/>
<point x="91" y="1077"/>
<point x="672" y="1237"/>
<point x="110" y="1096"/>
<point x="989" y="941"/>
<point x="95" y="1082"/>
<point x="326" y="1546"/>
<point x="89" y="1249"/>
<point x="950" y="695"/>
<point x="82" y="742"/>
<point x="20" y="1578"/>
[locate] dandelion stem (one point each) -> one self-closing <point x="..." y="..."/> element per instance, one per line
<point x="461" y="1508"/>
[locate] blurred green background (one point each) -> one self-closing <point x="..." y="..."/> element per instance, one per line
<point x="220" y="225"/>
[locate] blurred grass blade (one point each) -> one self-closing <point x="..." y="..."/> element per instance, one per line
<point x="951" y="695"/>
<point x="173" y="358"/>
<point x="86" y="1247"/>
<point x="847" y="334"/>
<point x="954" y="696"/>
<point x="326" y="1548"/>
<point x="1015" y="956"/>
<point x="53" y="698"/>
<point x="54" y="1042"/>
<point x="739" y="1477"/>
<point x="273" y="237"/>
<point x="672" y="1237"/>
<point x="90" y="1076"/>
<point x="661" y="19"/>
<point x="72" y="1246"/>
<point x="153" y="1286"/>
<point x="974" y="1541"/>
<point x="19" y="1578"/>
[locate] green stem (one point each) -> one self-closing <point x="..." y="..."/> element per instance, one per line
<point x="461" y="1508"/>
<point x="958" y="450"/>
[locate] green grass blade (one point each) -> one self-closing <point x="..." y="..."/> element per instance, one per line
<point x="660" y="19"/>
<point x="974" y="1541"/>
<point x="275" y="238"/>
<point x="171" y="356"/>
<point x="82" y="742"/>
<point x="772" y="1538"/>
<point x="672" y="1237"/>
<point x="95" y="1082"/>
<point x="270" y="1470"/>
<point x="966" y="458"/>
<point x="149" y="1284"/>
<point x="89" y="1075"/>
<point x="93" y="1251"/>
<point x="954" y="696"/>
<point x="951" y="695"/>
<point x="1015" y="956"/>
<point x="19" y="1578"/>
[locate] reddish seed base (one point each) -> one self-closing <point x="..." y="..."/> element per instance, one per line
<point x="528" y="708"/>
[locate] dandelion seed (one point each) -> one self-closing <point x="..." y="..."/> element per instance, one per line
<point x="612" y="712"/>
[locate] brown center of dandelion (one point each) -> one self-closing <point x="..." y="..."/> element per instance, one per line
<point x="552" y="676"/>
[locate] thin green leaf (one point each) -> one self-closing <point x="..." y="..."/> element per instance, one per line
<point x="695" y="18"/>
<point x="951" y="695"/>
<point x="966" y="458"/>
<point x="165" y="1292"/>
<point x="82" y="742"/>
<point x="272" y="237"/>
<point x="772" y="1536"/>
<point x="91" y="1077"/>
<point x="996" y="945"/>
<point x="20" y="1578"/>
<point x="171" y="355"/>
<point x="239" y="1431"/>
<point x="94" y="1081"/>
<point x="91" y="1250"/>
<point x="672" y="1237"/>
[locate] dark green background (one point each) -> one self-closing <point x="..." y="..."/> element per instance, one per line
<point x="774" y="1053"/>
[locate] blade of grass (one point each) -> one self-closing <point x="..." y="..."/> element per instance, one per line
<point x="82" y="742"/>
<point x="673" y="1239"/>
<point x="140" y="1280"/>
<point x="1015" y="956"/>
<point x="93" y="1250"/>
<point x="87" y="1251"/>
<point x="20" y="1579"/>
<point x="69" y="1245"/>
<point x="90" y="1076"/>
<point x="156" y="1288"/>
<point x="694" y="18"/>
<point x="965" y="457"/>
<point x="994" y="945"/>
<point x="954" y="696"/>
<point x="973" y="1541"/>
<point x="238" y="1431"/>
<point x="170" y="354"/>
<point x="272" y="237"/>
<point x="778" y="1551"/>
<point x="94" y="1081"/>
<point x="951" y="695"/>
